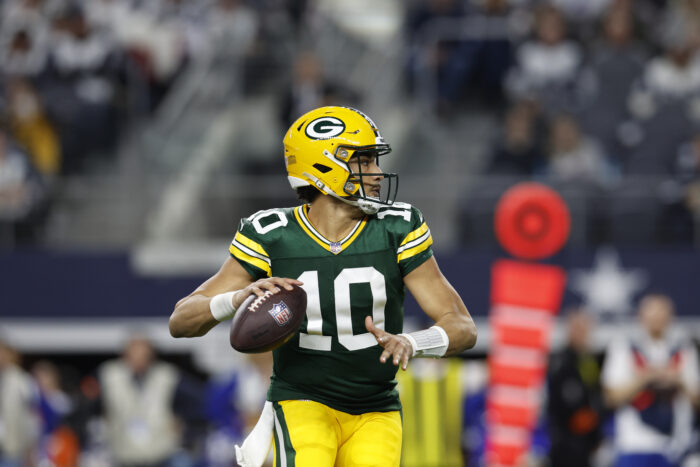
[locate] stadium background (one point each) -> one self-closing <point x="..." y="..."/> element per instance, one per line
<point x="137" y="133"/>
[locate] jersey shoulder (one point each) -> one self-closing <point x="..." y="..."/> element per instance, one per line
<point x="255" y="236"/>
<point x="268" y="224"/>
<point x="409" y="233"/>
<point x="400" y="219"/>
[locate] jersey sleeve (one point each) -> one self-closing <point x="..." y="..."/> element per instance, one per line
<point x="414" y="241"/>
<point x="247" y="248"/>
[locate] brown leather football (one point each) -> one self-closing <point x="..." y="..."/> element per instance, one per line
<point x="264" y="323"/>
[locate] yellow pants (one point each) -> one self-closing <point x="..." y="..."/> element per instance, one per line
<point x="310" y="434"/>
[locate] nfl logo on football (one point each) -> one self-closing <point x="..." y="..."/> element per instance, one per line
<point x="281" y="313"/>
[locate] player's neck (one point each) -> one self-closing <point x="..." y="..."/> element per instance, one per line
<point x="333" y="218"/>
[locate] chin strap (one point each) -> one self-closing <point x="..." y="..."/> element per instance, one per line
<point x="367" y="206"/>
<point x="254" y="450"/>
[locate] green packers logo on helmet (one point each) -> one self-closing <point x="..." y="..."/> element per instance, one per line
<point x="325" y="128"/>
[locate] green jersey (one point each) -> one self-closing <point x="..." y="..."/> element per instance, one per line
<point x="332" y="359"/>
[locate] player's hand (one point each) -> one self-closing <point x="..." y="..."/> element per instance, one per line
<point x="396" y="347"/>
<point x="263" y="286"/>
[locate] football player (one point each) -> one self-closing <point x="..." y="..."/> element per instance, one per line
<point x="355" y="251"/>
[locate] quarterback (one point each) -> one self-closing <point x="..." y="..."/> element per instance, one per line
<point x="355" y="250"/>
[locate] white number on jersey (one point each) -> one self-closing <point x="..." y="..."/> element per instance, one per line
<point x="281" y="220"/>
<point x="314" y="339"/>
<point x="397" y="209"/>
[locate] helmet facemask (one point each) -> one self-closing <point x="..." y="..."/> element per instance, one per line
<point x="360" y="195"/>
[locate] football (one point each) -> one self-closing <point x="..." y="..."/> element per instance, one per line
<point x="264" y="323"/>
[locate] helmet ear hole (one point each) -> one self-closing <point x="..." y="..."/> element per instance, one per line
<point x="322" y="168"/>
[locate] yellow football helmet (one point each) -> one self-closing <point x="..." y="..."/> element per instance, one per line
<point x="318" y="146"/>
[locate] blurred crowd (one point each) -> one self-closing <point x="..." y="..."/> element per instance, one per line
<point x="135" y="410"/>
<point x="594" y="95"/>
<point x="75" y="75"/>
<point x="635" y="401"/>
<point x="588" y="93"/>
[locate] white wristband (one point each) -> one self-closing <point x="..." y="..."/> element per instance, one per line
<point x="432" y="342"/>
<point x="221" y="306"/>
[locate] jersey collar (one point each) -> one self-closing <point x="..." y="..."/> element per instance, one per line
<point x="302" y="215"/>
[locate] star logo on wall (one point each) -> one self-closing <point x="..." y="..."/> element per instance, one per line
<point x="607" y="287"/>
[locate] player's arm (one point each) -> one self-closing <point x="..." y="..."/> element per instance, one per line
<point x="193" y="316"/>
<point x="439" y="300"/>
<point x="442" y="303"/>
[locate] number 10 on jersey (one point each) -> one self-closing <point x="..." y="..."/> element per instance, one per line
<point x="313" y="338"/>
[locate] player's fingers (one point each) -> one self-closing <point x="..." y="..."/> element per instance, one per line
<point x="257" y="290"/>
<point x="399" y="352"/>
<point x="269" y="286"/>
<point x="378" y="333"/>
<point x="391" y="350"/>
<point x="384" y="356"/>
<point x="369" y="324"/>
<point x="404" y="360"/>
<point x="286" y="282"/>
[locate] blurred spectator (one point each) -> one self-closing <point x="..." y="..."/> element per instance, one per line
<point x="233" y="406"/>
<point x="574" y="157"/>
<point x="54" y="401"/>
<point x="616" y="61"/>
<point x="158" y="36"/>
<point x="582" y="10"/>
<point x="32" y="129"/>
<point x="651" y="379"/>
<point x="21" y="194"/>
<point x="233" y="27"/>
<point x="665" y="103"/>
<point x="139" y="396"/>
<point x="422" y="27"/>
<point x="23" y="52"/>
<point x="81" y="88"/>
<point x="575" y="403"/>
<point x="673" y="75"/>
<point x="310" y="88"/>
<point x="477" y="67"/>
<point x="18" y="414"/>
<point x="682" y="196"/>
<point x="548" y="66"/>
<point x="59" y="445"/>
<point x="518" y="151"/>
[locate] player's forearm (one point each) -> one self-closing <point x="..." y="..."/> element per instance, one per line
<point x="192" y="317"/>
<point x="460" y="329"/>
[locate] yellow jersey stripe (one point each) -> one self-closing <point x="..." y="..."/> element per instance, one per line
<point x="250" y="244"/>
<point x="360" y="227"/>
<point x="308" y="231"/>
<point x="252" y="260"/>
<point x="415" y="250"/>
<point x="415" y="234"/>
